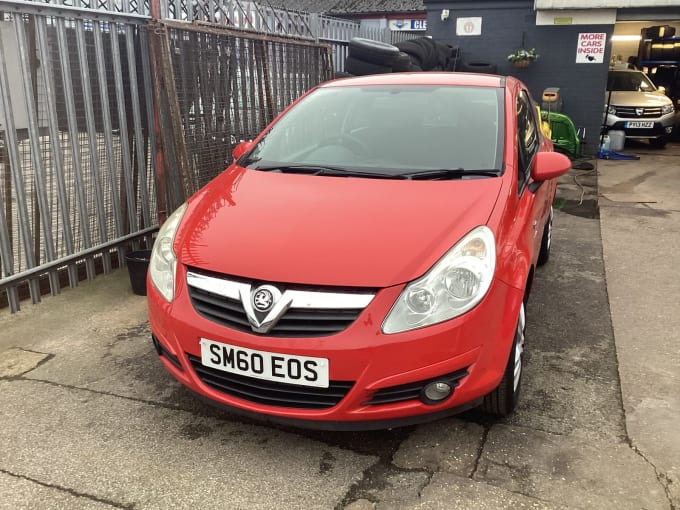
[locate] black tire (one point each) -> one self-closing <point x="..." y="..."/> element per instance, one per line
<point x="376" y="52"/>
<point x="341" y="74"/>
<point x="479" y="67"/>
<point x="658" y="143"/>
<point x="413" y="49"/>
<point x="359" y="67"/>
<point x="447" y="55"/>
<point x="423" y="51"/>
<point x="503" y="400"/>
<point x="414" y="69"/>
<point x="401" y="63"/>
<point x="546" y="241"/>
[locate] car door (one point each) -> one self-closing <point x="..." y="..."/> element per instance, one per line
<point x="533" y="199"/>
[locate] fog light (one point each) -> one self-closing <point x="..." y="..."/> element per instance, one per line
<point x="669" y="129"/>
<point x="436" y="392"/>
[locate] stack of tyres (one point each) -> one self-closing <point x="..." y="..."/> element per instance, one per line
<point x="658" y="32"/>
<point x="428" y="55"/>
<point x="366" y="56"/>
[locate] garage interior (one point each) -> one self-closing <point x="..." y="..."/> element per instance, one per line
<point x="659" y="58"/>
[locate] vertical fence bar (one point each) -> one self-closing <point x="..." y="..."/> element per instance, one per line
<point x="124" y="141"/>
<point x="73" y="137"/>
<point x="6" y="259"/>
<point x="12" y="147"/>
<point x="57" y="151"/>
<point x="36" y="157"/>
<point x="149" y="102"/>
<point x="137" y="122"/>
<point x="108" y="128"/>
<point x="92" y="140"/>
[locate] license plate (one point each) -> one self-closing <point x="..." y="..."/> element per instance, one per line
<point x="270" y="366"/>
<point x="639" y="124"/>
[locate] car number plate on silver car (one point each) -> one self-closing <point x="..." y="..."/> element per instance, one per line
<point x="270" y="366"/>
<point x="639" y="124"/>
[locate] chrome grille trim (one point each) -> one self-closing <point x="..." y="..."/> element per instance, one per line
<point x="628" y="112"/>
<point x="296" y="312"/>
<point x="299" y="298"/>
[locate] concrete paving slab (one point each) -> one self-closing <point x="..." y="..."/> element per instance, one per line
<point x="452" y="492"/>
<point x="15" y="361"/>
<point x="571" y="380"/>
<point x="578" y="471"/>
<point x="18" y="493"/>
<point x="106" y="301"/>
<point x="450" y="445"/>
<point x="131" y="453"/>
<point x="642" y="257"/>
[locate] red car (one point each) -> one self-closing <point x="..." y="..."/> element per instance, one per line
<point x="365" y="262"/>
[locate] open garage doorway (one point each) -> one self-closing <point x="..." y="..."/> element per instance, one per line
<point x="652" y="46"/>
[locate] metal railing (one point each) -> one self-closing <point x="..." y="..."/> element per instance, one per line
<point x="76" y="176"/>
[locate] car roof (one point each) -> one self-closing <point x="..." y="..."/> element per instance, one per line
<point x="461" y="79"/>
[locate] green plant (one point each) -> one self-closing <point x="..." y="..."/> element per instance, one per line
<point x="523" y="55"/>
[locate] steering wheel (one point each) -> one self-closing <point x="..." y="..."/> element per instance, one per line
<point x="347" y="140"/>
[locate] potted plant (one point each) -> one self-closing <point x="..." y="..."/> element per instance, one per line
<point x="522" y="58"/>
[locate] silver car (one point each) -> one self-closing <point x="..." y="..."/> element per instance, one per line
<point x="638" y="107"/>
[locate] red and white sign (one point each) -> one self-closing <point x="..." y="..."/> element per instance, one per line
<point x="590" y="48"/>
<point x="468" y="26"/>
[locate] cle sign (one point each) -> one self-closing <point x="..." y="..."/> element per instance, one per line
<point x="590" y="48"/>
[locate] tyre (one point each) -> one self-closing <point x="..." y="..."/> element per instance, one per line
<point x="376" y="52"/>
<point x="422" y="51"/>
<point x="359" y="67"/>
<point x="413" y="49"/>
<point x="503" y="400"/>
<point x="412" y="68"/>
<point x="659" y="143"/>
<point x="479" y="67"/>
<point x="401" y="63"/>
<point x="447" y="55"/>
<point x="546" y="240"/>
<point x="341" y="74"/>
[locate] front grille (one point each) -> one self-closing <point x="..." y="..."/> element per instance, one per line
<point x="311" y="312"/>
<point x="268" y="392"/>
<point x="294" y="323"/>
<point x="412" y="391"/>
<point x="628" y="112"/>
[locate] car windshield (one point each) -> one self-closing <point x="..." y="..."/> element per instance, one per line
<point x="388" y="131"/>
<point x="629" y="81"/>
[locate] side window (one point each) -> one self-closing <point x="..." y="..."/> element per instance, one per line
<point x="527" y="138"/>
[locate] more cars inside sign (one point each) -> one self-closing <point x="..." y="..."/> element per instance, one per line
<point x="590" y="48"/>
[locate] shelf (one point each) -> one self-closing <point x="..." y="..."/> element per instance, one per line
<point x="652" y="63"/>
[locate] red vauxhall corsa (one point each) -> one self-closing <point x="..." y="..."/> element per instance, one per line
<point x="365" y="262"/>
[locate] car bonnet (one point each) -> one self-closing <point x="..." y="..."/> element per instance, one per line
<point x="335" y="231"/>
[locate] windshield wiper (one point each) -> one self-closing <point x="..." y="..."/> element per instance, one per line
<point x="449" y="173"/>
<point x="335" y="171"/>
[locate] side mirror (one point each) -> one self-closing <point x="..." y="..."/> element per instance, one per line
<point x="241" y="149"/>
<point x="661" y="89"/>
<point x="548" y="165"/>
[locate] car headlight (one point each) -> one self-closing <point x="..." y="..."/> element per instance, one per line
<point x="666" y="109"/>
<point x="163" y="261"/>
<point x="454" y="285"/>
<point x="612" y="110"/>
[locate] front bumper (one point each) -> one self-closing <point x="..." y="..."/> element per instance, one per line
<point x="662" y="126"/>
<point x="364" y="364"/>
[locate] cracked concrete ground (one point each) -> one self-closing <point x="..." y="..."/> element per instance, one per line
<point x="90" y="419"/>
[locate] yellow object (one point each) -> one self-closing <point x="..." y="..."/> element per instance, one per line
<point x="545" y="125"/>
